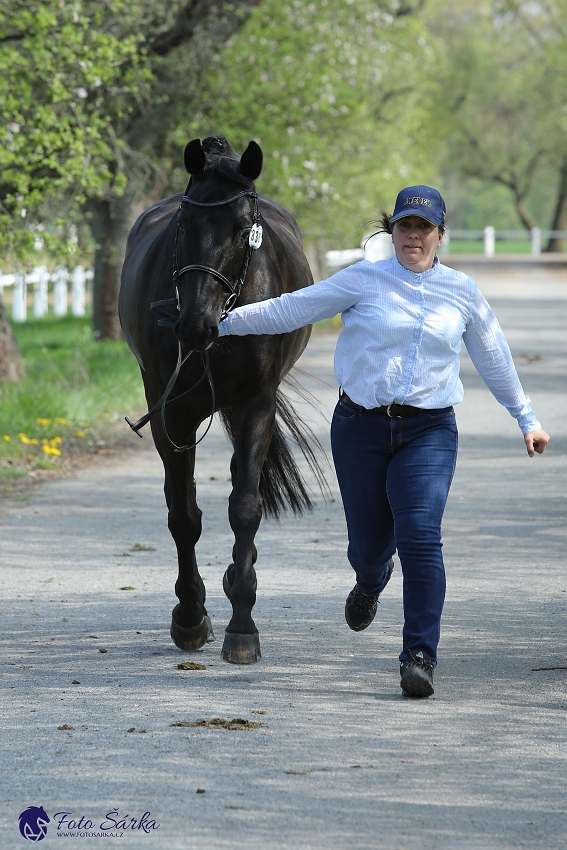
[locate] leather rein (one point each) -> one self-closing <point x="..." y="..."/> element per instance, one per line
<point x="166" y="320"/>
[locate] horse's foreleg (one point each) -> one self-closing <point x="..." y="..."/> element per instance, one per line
<point x="190" y="625"/>
<point x="253" y="427"/>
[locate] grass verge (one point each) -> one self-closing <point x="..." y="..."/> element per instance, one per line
<point x="76" y="391"/>
<point x="72" y="402"/>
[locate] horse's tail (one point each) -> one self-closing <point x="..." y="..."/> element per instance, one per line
<point x="281" y="483"/>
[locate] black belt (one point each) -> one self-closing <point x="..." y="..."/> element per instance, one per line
<point x="394" y="411"/>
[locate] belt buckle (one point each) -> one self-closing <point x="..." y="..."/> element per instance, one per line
<point x="392" y="415"/>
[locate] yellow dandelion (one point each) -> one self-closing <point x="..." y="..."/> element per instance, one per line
<point x="7" y="438"/>
<point x="80" y="434"/>
<point x="33" y="441"/>
<point x="50" y="450"/>
<point x="55" y="441"/>
<point x="61" y="421"/>
<point x="23" y="438"/>
<point x="41" y="421"/>
<point x="45" y="441"/>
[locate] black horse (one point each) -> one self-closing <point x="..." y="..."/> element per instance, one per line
<point x="198" y="254"/>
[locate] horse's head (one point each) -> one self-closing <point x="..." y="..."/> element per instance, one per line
<point x="213" y="245"/>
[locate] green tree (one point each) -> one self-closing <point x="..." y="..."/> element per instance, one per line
<point x="53" y="139"/>
<point x="274" y="71"/>
<point x="55" y="61"/>
<point x="334" y="91"/>
<point x="500" y="104"/>
<point x="545" y="27"/>
<point x="88" y="91"/>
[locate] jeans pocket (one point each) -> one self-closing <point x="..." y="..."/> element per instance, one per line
<point x="344" y="412"/>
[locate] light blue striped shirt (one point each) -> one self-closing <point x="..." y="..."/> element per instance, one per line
<point x="401" y="340"/>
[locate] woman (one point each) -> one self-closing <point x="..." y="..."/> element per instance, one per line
<point x="393" y="435"/>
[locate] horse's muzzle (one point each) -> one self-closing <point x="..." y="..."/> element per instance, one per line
<point x="196" y="338"/>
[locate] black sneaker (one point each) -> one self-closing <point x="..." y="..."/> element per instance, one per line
<point x="360" y="608"/>
<point x="417" y="674"/>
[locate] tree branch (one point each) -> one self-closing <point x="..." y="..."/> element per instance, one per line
<point x="192" y="16"/>
<point x="406" y="8"/>
<point x="17" y="36"/>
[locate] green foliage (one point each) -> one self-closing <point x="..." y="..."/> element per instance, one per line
<point x="335" y="93"/>
<point x="350" y="99"/>
<point x="501" y="103"/>
<point x="58" y="63"/>
<point x="73" y="384"/>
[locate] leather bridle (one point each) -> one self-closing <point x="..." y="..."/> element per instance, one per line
<point x="168" y="321"/>
<point x="254" y="242"/>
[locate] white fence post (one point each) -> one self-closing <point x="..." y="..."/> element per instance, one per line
<point x="19" y="303"/>
<point x="60" y="276"/>
<point x="78" y="296"/>
<point x="489" y="240"/>
<point x="39" y="277"/>
<point x="536" y="241"/>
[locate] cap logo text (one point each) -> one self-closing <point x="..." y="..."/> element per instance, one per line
<point x="414" y="201"/>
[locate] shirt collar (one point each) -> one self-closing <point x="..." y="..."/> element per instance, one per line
<point x="427" y="271"/>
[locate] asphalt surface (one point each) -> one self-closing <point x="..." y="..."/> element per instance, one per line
<point x="92" y="697"/>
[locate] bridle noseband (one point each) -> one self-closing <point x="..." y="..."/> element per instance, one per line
<point x="168" y="321"/>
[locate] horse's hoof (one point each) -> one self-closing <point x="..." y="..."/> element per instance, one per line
<point x="241" y="649"/>
<point x="193" y="638"/>
<point x="227" y="584"/>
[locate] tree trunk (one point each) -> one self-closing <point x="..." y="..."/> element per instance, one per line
<point x="11" y="363"/>
<point x="559" y="221"/>
<point x="317" y="259"/>
<point x="523" y="214"/>
<point x="110" y="223"/>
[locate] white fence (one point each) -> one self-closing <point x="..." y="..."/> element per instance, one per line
<point x="38" y="282"/>
<point x="380" y="247"/>
<point x="489" y="235"/>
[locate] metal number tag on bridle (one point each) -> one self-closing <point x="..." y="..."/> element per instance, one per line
<point x="255" y="238"/>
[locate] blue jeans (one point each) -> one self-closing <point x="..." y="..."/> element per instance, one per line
<point x="394" y="476"/>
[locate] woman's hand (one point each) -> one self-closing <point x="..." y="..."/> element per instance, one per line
<point x="536" y="441"/>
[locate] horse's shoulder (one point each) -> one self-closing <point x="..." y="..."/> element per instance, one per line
<point x="279" y="217"/>
<point x="151" y="220"/>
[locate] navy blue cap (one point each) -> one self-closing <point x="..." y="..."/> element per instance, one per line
<point x="420" y="200"/>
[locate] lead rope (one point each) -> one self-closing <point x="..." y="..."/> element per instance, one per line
<point x="163" y="402"/>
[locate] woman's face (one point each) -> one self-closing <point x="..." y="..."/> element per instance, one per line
<point x="415" y="242"/>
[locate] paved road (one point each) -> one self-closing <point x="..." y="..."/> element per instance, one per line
<point x="343" y="760"/>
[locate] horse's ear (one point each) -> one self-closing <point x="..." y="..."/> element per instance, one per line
<point x="251" y="161"/>
<point x="194" y="157"/>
